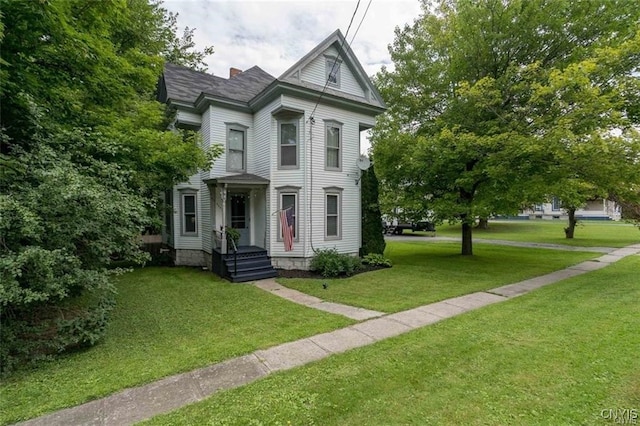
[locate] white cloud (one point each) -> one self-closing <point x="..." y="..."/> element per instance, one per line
<point x="275" y="34"/>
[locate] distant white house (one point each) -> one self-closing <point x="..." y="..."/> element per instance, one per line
<point x="290" y="142"/>
<point x="598" y="209"/>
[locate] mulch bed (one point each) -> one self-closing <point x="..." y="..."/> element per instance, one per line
<point x="297" y="273"/>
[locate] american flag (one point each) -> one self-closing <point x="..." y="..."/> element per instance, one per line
<point x="286" y="223"/>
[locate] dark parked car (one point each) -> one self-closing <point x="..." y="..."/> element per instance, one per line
<point x="416" y="226"/>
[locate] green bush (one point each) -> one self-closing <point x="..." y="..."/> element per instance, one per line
<point x="375" y="259"/>
<point x="46" y="330"/>
<point x="233" y="235"/>
<point x="329" y="263"/>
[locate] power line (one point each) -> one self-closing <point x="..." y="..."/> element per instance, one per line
<point x="336" y="60"/>
<point x="362" y="20"/>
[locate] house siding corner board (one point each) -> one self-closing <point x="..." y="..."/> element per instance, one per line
<point x="205" y="128"/>
<point x="264" y="132"/>
<point x="315" y="72"/>
<point x="219" y="118"/>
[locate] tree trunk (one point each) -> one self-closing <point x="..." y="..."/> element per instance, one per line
<point x="467" y="242"/>
<point x="569" y="230"/>
<point x="483" y="223"/>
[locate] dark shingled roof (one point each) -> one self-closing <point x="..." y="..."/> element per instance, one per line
<point x="185" y="84"/>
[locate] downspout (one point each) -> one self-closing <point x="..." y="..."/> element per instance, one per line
<point x="311" y="123"/>
<point x="304" y="184"/>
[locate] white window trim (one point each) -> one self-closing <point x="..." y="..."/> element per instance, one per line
<point x="188" y="193"/>
<point x="295" y="122"/>
<point x="240" y="128"/>
<point x="295" y="191"/>
<point x="329" y="63"/>
<point x="338" y="125"/>
<point x="337" y="192"/>
<point x="556" y="204"/>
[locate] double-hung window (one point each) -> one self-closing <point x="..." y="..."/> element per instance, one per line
<point x="189" y="206"/>
<point x="236" y="148"/>
<point x="333" y="213"/>
<point x="288" y="144"/>
<point x="288" y="199"/>
<point x="333" y="145"/>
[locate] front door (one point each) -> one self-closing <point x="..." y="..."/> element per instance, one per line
<point x="239" y="216"/>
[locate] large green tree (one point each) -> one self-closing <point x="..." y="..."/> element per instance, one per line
<point x="480" y="91"/>
<point x="83" y="152"/>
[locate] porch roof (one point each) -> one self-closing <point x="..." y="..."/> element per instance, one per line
<point x="239" y="179"/>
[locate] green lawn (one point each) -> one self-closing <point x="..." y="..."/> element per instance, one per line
<point x="167" y="320"/>
<point x="428" y="272"/>
<point x="559" y="355"/>
<point x="588" y="233"/>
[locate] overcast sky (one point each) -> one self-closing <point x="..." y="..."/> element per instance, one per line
<point x="275" y="34"/>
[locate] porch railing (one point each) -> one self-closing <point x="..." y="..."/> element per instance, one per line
<point x="218" y="239"/>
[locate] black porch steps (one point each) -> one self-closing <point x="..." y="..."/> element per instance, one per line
<point x="248" y="265"/>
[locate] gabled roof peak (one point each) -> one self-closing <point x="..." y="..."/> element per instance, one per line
<point x="254" y="87"/>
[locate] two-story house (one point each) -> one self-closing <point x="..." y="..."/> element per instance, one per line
<point x="291" y="143"/>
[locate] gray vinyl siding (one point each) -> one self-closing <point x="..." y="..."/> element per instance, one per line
<point x="315" y="72"/>
<point x="311" y="218"/>
<point x="218" y="135"/>
<point x="263" y="149"/>
<point x="205" y="214"/>
<point x="204" y="199"/>
<point x="261" y="146"/>
<point x="204" y="129"/>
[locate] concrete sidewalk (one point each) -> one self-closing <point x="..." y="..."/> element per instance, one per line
<point x="358" y="314"/>
<point x="133" y="405"/>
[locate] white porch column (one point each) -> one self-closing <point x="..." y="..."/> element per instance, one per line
<point x="223" y="197"/>
<point x="252" y="214"/>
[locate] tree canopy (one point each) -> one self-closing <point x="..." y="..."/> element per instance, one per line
<point x="83" y="151"/>
<point x="498" y="104"/>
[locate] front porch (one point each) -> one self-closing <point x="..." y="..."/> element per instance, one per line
<point x="239" y="203"/>
<point x="248" y="263"/>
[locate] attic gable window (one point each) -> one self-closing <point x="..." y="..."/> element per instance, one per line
<point x="332" y="69"/>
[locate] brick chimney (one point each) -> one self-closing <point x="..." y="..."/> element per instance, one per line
<point x="233" y="72"/>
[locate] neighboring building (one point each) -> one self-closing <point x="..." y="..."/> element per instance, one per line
<point x="598" y="209"/>
<point x="290" y="142"/>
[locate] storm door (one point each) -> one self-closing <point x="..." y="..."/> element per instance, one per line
<point x="239" y="217"/>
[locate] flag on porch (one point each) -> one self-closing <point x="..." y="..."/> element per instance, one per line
<point x="286" y="223"/>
